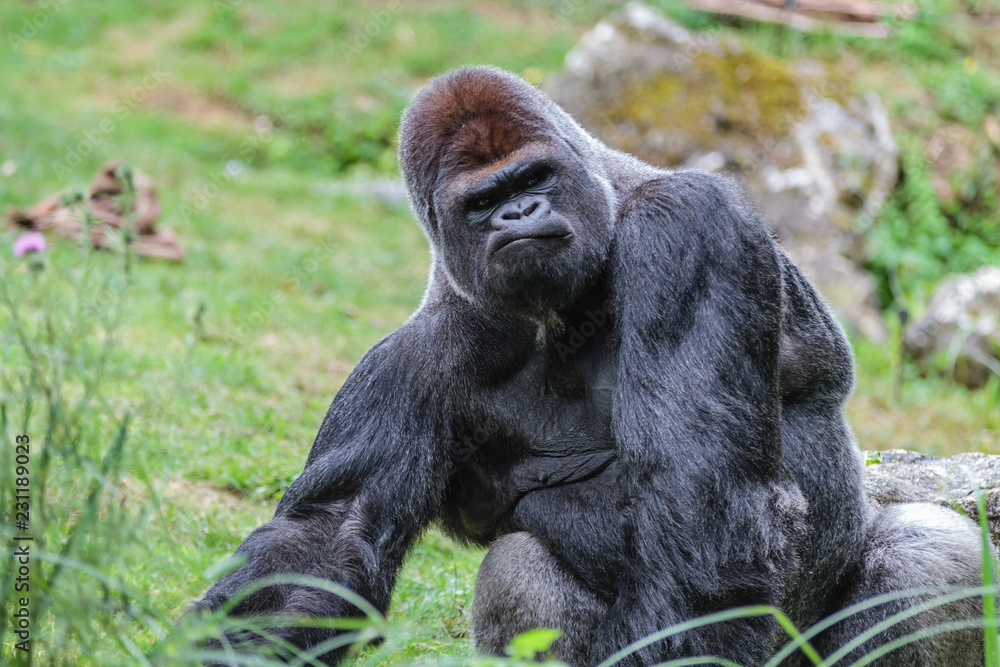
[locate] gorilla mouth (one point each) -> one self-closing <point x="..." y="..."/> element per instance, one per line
<point x="514" y="239"/>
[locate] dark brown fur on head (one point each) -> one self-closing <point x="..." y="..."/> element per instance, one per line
<point x="461" y="121"/>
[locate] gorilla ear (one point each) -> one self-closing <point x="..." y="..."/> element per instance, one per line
<point x="432" y="221"/>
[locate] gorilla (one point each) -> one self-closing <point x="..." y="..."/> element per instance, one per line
<point x="618" y="380"/>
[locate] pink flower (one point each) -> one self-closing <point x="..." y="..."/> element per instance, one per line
<point x="29" y="242"/>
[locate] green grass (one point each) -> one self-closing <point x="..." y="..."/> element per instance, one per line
<point x="226" y="363"/>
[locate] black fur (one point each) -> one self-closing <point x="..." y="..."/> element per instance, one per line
<point x="615" y="367"/>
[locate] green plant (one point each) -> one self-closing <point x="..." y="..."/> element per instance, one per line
<point x="917" y="241"/>
<point x="57" y="329"/>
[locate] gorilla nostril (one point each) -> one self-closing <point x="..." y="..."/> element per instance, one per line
<point x="511" y="215"/>
<point x="531" y="209"/>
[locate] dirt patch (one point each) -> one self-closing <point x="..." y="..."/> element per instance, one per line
<point x="202" y="498"/>
<point x="198" y="110"/>
<point x="144" y="44"/>
<point x="304" y="80"/>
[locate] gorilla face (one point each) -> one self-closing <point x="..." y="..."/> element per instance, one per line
<point x="528" y="232"/>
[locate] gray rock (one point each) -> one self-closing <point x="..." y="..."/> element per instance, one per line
<point x="962" y="322"/>
<point x="906" y="476"/>
<point x="813" y="158"/>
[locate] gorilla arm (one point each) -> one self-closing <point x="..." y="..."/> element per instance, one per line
<point x="712" y="516"/>
<point x="373" y="480"/>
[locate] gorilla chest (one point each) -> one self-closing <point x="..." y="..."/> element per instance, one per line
<point x="546" y="425"/>
<point x="563" y="404"/>
<point x="557" y="403"/>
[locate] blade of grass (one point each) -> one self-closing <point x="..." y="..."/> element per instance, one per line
<point x="718" y="617"/>
<point x="991" y="639"/>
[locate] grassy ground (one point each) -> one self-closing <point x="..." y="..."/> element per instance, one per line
<point x="228" y="361"/>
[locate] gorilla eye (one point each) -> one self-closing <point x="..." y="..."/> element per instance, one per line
<point x="534" y="177"/>
<point x="481" y="203"/>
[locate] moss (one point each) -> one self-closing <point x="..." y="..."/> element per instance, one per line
<point x="739" y="92"/>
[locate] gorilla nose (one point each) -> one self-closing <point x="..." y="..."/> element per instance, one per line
<point x="523" y="208"/>
<point x="519" y="210"/>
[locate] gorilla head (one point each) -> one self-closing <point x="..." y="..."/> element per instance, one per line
<point x="515" y="207"/>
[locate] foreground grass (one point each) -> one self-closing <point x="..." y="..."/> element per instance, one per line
<point x="228" y="361"/>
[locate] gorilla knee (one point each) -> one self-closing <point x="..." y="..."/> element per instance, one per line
<point x="913" y="546"/>
<point x="520" y="587"/>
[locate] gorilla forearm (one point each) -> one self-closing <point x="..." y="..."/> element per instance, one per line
<point x="336" y="542"/>
<point x="354" y="511"/>
<point x="357" y="544"/>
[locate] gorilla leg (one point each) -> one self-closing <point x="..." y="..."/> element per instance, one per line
<point x="521" y="586"/>
<point x="915" y="546"/>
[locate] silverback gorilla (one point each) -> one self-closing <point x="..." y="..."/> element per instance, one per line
<point x="618" y="380"/>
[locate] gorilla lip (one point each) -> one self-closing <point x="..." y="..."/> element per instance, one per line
<point x="505" y="241"/>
